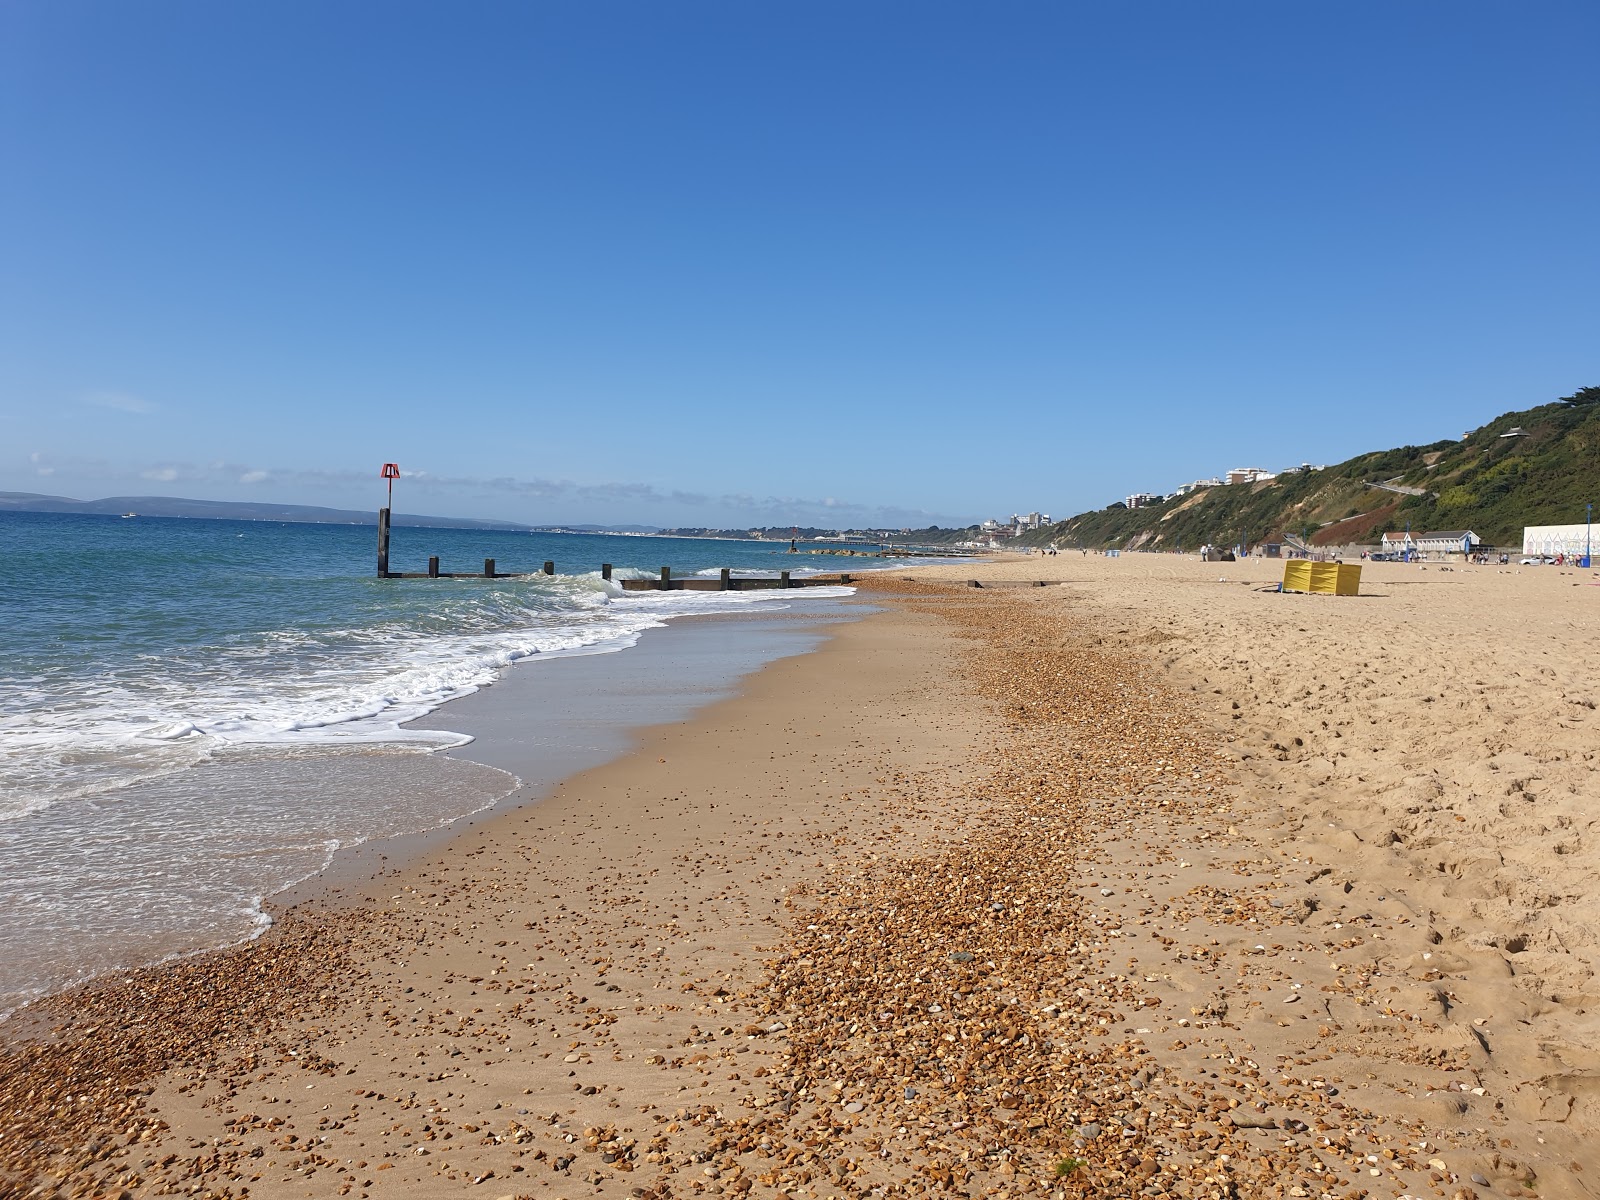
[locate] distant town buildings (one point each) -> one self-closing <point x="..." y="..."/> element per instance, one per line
<point x="1237" y="475"/>
<point x="992" y="531"/>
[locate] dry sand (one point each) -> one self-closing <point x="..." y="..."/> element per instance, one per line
<point x="1147" y="883"/>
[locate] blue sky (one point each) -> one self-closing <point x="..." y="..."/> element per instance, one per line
<point x="729" y="263"/>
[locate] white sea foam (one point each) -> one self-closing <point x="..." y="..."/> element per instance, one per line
<point x="179" y="864"/>
<point x="349" y="687"/>
<point x="843" y="564"/>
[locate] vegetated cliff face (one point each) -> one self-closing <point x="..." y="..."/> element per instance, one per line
<point x="1491" y="481"/>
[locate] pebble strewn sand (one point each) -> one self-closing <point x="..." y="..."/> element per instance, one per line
<point x="1060" y="891"/>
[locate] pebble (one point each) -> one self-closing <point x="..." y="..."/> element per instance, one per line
<point x="1244" y="1118"/>
<point x="114" y="1037"/>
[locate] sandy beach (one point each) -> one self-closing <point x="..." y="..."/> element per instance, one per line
<point x="1150" y="881"/>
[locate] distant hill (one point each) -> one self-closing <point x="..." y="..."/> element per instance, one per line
<point x="173" y="506"/>
<point x="1536" y="467"/>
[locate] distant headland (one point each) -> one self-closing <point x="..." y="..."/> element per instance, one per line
<point x="231" y="510"/>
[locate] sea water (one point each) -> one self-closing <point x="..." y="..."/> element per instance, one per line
<point x="196" y="714"/>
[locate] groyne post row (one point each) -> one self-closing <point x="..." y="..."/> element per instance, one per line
<point x="488" y="572"/>
<point x="725" y="582"/>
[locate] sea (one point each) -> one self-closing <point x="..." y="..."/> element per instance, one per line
<point x="196" y="715"/>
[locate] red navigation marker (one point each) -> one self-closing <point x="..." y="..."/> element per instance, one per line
<point x="391" y="472"/>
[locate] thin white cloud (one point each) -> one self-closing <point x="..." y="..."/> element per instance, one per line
<point x="120" y="401"/>
<point x="744" y="506"/>
<point x="160" y="474"/>
<point x="45" y="471"/>
<point x="255" y="476"/>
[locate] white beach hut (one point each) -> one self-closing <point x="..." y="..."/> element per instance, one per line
<point x="1570" y="540"/>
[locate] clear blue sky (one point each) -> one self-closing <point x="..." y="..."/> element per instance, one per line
<point x="727" y="263"/>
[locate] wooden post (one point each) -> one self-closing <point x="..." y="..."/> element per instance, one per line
<point x="549" y="567"/>
<point x="783" y="579"/>
<point x="843" y="578"/>
<point x="605" y="570"/>
<point x="666" y="579"/>
<point x="433" y="566"/>
<point x="488" y="568"/>
<point x="383" y="543"/>
<point x="723" y="580"/>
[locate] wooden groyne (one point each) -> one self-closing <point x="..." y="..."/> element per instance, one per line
<point x="997" y="583"/>
<point x="666" y="582"/>
<point x="489" y="572"/>
<point x="726" y="581"/>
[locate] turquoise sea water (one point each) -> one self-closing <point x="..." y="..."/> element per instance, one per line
<point x="193" y="712"/>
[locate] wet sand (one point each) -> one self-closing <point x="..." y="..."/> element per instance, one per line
<point x="1146" y="883"/>
<point x="548" y="719"/>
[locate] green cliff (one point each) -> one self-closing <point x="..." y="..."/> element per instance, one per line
<point x="1537" y="467"/>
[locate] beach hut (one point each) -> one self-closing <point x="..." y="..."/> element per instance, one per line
<point x="1435" y="542"/>
<point x="1448" y="541"/>
<point x="1551" y="540"/>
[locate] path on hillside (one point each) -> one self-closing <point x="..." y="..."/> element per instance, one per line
<point x="1401" y="488"/>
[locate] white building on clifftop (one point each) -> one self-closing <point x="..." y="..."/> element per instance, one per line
<point x="1250" y="475"/>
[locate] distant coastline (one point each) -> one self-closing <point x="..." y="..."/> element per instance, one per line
<point x="306" y="514"/>
<point x="229" y="510"/>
